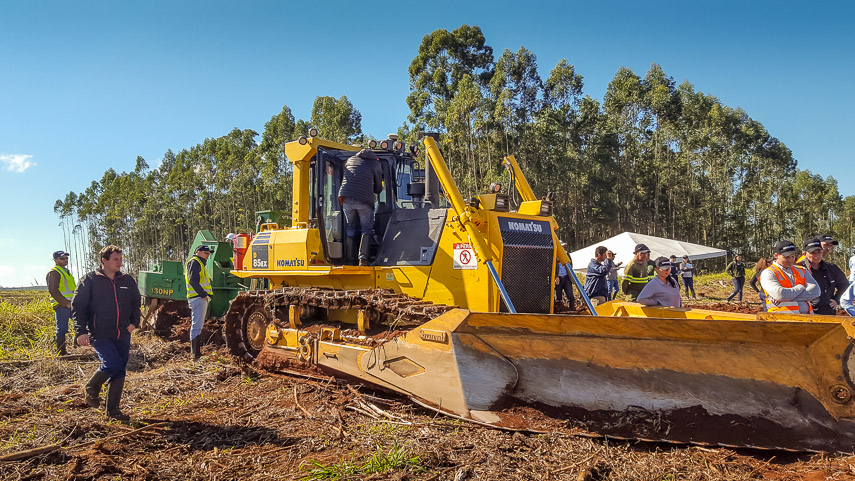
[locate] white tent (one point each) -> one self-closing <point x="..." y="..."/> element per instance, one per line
<point x="623" y="245"/>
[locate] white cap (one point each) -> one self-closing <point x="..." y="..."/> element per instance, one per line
<point x="230" y="237"/>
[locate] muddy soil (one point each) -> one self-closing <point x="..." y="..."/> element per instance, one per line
<point x="217" y="419"/>
<point x="171" y="321"/>
<point x="741" y="307"/>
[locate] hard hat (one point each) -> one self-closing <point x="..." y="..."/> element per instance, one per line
<point x="230" y="237"/>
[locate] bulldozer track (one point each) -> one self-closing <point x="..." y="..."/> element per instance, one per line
<point x="383" y="306"/>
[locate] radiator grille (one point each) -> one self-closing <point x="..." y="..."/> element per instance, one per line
<point x="527" y="261"/>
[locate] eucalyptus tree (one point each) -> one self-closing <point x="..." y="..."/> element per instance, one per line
<point x="517" y="92"/>
<point x="662" y="106"/>
<point x="275" y="169"/>
<point x="624" y="108"/>
<point x="336" y="119"/>
<point x="561" y="137"/>
<point x="444" y="58"/>
<point x="652" y="157"/>
<point x="465" y="118"/>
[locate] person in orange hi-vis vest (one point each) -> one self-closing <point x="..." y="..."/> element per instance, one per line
<point x="788" y="287"/>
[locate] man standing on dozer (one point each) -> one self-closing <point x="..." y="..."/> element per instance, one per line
<point x="362" y="180"/>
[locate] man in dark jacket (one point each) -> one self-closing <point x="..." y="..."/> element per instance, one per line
<point x="736" y="269"/>
<point x="596" y="286"/>
<point x="362" y="180"/>
<point x="106" y="310"/>
<point x="831" y="280"/>
<point x="675" y="269"/>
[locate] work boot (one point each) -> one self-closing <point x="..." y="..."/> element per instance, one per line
<point x="195" y="348"/>
<point x="114" y="395"/>
<point x="93" y="388"/>
<point x="364" y="248"/>
<point x="349" y="250"/>
<point x="60" y="347"/>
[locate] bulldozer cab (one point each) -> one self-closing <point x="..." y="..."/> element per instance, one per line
<point x="399" y="173"/>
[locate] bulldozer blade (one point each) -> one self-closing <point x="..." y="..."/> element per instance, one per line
<point x="746" y="382"/>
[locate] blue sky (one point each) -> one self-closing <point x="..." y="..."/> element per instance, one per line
<point x="85" y="86"/>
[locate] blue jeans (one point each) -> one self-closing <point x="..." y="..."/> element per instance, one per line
<point x="689" y="282"/>
<point x="738" y="282"/>
<point x="763" y="300"/>
<point x="62" y="314"/>
<point x="114" y="354"/>
<point x="851" y="311"/>
<point x="198" y="311"/>
<point x="564" y="287"/>
<point x="613" y="288"/>
<point x="358" y="213"/>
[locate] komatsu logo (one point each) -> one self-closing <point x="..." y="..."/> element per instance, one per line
<point x="290" y="262"/>
<point x="525" y="226"/>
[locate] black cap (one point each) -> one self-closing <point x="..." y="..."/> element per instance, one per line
<point x="58" y="254"/>
<point x="203" y="249"/>
<point x="828" y="238"/>
<point x="662" y="263"/>
<point x="784" y="247"/>
<point x="811" y="245"/>
<point x="673" y="256"/>
<point x="641" y="248"/>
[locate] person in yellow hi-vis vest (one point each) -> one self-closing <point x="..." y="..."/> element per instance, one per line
<point x="61" y="287"/>
<point x="638" y="272"/>
<point x="198" y="291"/>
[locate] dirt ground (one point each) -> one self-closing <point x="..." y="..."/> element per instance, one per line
<point x="216" y="419"/>
<point x="219" y="419"/>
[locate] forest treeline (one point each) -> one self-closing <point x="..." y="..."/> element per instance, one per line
<point x="652" y="157"/>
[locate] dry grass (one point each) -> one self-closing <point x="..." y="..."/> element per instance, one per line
<point x="27" y="325"/>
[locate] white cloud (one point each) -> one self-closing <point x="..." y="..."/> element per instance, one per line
<point x="17" y="162"/>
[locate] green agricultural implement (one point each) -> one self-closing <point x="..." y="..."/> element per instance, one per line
<point x="164" y="288"/>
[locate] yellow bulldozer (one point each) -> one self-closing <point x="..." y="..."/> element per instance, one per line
<point x="455" y="312"/>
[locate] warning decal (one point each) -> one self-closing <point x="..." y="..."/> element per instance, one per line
<point x="464" y="257"/>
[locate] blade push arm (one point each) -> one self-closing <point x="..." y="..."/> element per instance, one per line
<point x="464" y="213"/>
<point x="455" y="198"/>
<point x="519" y="179"/>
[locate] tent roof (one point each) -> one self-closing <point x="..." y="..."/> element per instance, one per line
<point x="623" y="245"/>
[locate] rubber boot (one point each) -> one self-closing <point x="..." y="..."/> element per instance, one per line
<point x="60" y="347"/>
<point x="93" y="388"/>
<point x="114" y="396"/>
<point x="349" y="250"/>
<point x="364" y="248"/>
<point x="195" y="348"/>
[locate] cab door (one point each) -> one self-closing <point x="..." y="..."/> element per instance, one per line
<point x="330" y="215"/>
<point x="385" y="204"/>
